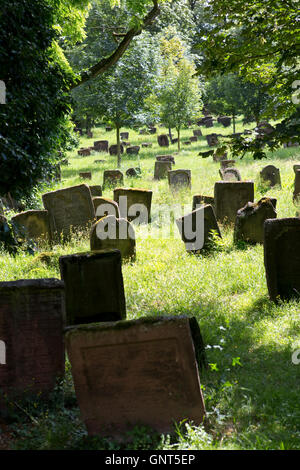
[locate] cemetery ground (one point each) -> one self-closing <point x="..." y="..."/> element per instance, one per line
<point x="251" y="386"/>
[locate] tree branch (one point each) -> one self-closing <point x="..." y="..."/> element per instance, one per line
<point x="111" y="60"/>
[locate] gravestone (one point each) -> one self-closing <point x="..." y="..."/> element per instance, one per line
<point x="230" y="196"/>
<point x="161" y="169"/>
<point x="212" y="140"/>
<point x="94" y="289"/>
<point x="124" y="135"/>
<point x="101" y="145"/>
<point x="186" y="142"/>
<point x="32" y="225"/>
<point x="105" y="206"/>
<point x="282" y="258"/>
<point x="174" y="141"/>
<point x="89" y="134"/>
<point x="230" y="174"/>
<point x="108" y="128"/>
<point x="225" y="121"/>
<point x="152" y="130"/>
<point x="147" y="144"/>
<point x="220" y="154"/>
<point x="32" y="317"/>
<point x="99" y="161"/>
<point x="86" y="175"/>
<point x="84" y="152"/>
<point x="133" y="172"/>
<point x="199" y="200"/>
<point x="271" y="175"/>
<point x="112" y="178"/>
<point x="194" y="138"/>
<point x="179" y="179"/>
<point x="291" y="144"/>
<point x="208" y="122"/>
<point x="114" y="233"/>
<point x="133" y="150"/>
<point x="165" y="158"/>
<point x="296" y="167"/>
<point x="113" y="149"/>
<point x="296" y="193"/>
<point x="249" y="223"/>
<point x="227" y="164"/>
<point x="96" y="190"/>
<point x="197" y="132"/>
<point x="195" y="228"/>
<point x="207" y="154"/>
<point x="69" y="209"/>
<point x="134" y="202"/>
<point x="163" y="140"/>
<point x="137" y="372"/>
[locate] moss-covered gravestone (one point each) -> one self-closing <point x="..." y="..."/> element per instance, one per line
<point x="134" y="204"/>
<point x="139" y="372"/>
<point x="112" y="178"/>
<point x="270" y="175"/>
<point x="32" y="225"/>
<point x="179" y="179"/>
<point x="230" y="196"/>
<point x="161" y="169"/>
<point x="249" y="224"/>
<point x="101" y="146"/>
<point x="105" y="206"/>
<point x="94" y="289"/>
<point x="163" y="140"/>
<point x="200" y="200"/>
<point x="230" y="174"/>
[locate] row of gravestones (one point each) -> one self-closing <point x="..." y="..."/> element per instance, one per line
<point x="125" y="373"/>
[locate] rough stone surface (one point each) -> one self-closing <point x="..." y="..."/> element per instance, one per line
<point x="113" y="149"/>
<point x="84" y="152"/>
<point x="212" y="140"/>
<point x="249" y="224"/>
<point x="136" y="372"/>
<point x="33" y="225"/>
<point x="179" y="179"/>
<point x="134" y="196"/>
<point x="32" y="317"/>
<point x="227" y="164"/>
<point x="165" y="158"/>
<point x="161" y="169"/>
<point x="69" y="209"/>
<point x="163" y="140"/>
<point x="114" y="233"/>
<point x="225" y="121"/>
<point x="197" y="132"/>
<point x="124" y="135"/>
<point x="94" y="289"/>
<point x="96" y="190"/>
<point x="133" y="150"/>
<point x="271" y="175"/>
<point x="199" y="200"/>
<point x="101" y="146"/>
<point x="230" y="174"/>
<point x="230" y="196"/>
<point x="296" y="194"/>
<point x="86" y="175"/>
<point x="112" y="178"/>
<point x="105" y="206"/>
<point x="282" y="258"/>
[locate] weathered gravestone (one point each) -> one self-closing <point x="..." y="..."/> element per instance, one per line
<point x="212" y="140"/>
<point x="249" y="223"/>
<point x="69" y="209"/>
<point x="134" y="203"/>
<point x="296" y="167"/>
<point x="108" y="128"/>
<point x="96" y="190"/>
<point x="179" y="179"/>
<point x="230" y="196"/>
<point x="282" y="258"/>
<point x="227" y="164"/>
<point x="133" y="150"/>
<point x="114" y="233"/>
<point x="197" y="132"/>
<point x="230" y="174"/>
<point x="207" y="154"/>
<point x="90" y="134"/>
<point x="208" y="122"/>
<point x="161" y="169"/>
<point x="101" y="145"/>
<point x="196" y="228"/>
<point x="86" y="175"/>
<point x="139" y="372"/>
<point x="146" y="144"/>
<point x="186" y="142"/>
<point x="32" y="225"/>
<point x="194" y="138"/>
<point x="296" y="194"/>
<point x="124" y="135"/>
<point x="84" y="152"/>
<point x="32" y="317"/>
<point x="225" y="121"/>
<point x="220" y="154"/>
<point x="165" y="158"/>
<point x="163" y="140"/>
<point x="199" y="200"/>
<point x="105" y="206"/>
<point x="271" y="175"/>
<point x="152" y="130"/>
<point x="112" y="178"/>
<point x="133" y="172"/>
<point x="113" y="149"/>
<point x="94" y="289"/>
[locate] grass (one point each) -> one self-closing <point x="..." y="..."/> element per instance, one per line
<point x="251" y="386"/>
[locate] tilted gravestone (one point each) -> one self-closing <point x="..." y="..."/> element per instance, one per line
<point x="105" y="206"/>
<point x="33" y="225"/>
<point x="230" y="196"/>
<point x="165" y="158"/>
<point x="69" y="209"/>
<point x="163" y="140"/>
<point x="133" y="150"/>
<point x="200" y="200"/>
<point x="179" y="179"/>
<point x="133" y="172"/>
<point x="114" y="233"/>
<point x="196" y="228"/>
<point x="101" y="145"/>
<point x="161" y="169"/>
<point x="282" y="258"/>
<point x="137" y="372"/>
<point x="249" y="224"/>
<point x="94" y="289"/>
<point x="113" y="149"/>
<point x="96" y="190"/>
<point x="133" y="203"/>
<point x="32" y="318"/>
<point x="296" y="194"/>
<point x="271" y="175"/>
<point x="212" y="140"/>
<point x="230" y="174"/>
<point x="112" y="178"/>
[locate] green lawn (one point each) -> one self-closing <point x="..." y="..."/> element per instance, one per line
<point x="251" y="386"/>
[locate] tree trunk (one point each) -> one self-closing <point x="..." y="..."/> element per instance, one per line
<point x="170" y="134"/>
<point x="178" y="137"/>
<point x="118" y="147"/>
<point x="233" y="122"/>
